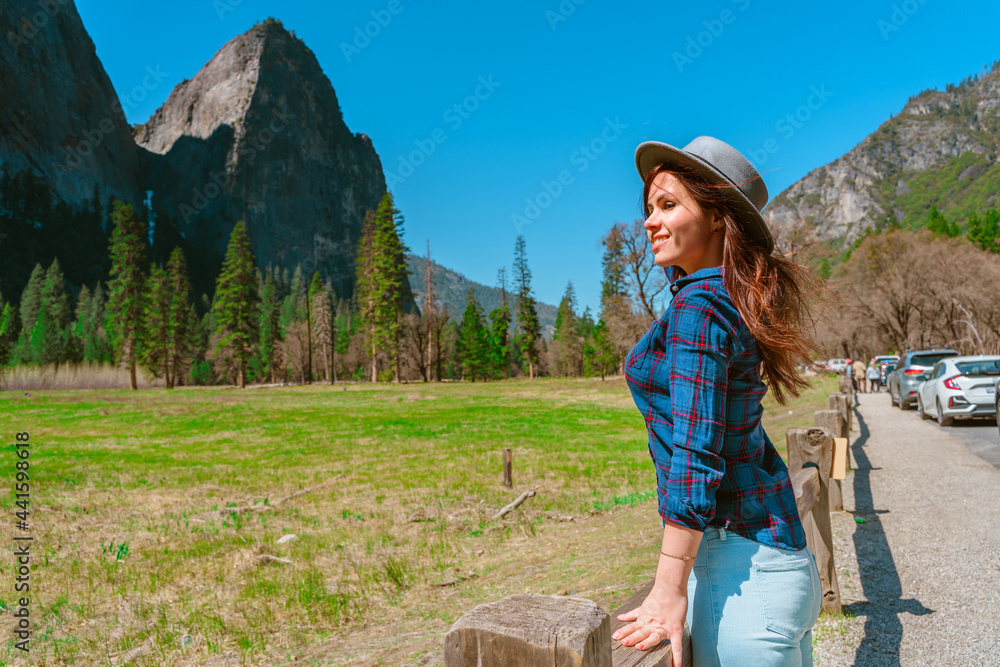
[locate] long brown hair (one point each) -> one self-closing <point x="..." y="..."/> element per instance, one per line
<point x="770" y="292"/>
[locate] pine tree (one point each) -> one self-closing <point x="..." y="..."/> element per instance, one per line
<point x="983" y="233"/>
<point x="179" y="330"/>
<point x="500" y="331"/>
<point x="585" y="324"/>
<point x="343" y="328"/>
<point x="366" y="291"/>
<point x="154" y="352"/>
<point x="295" y="333"/>
<point x="570" y="346"/>
<point x="429" y="317"/>
<point x="31" y="298"/>
<point x="322" y="323"/>
<point x="600" y="356"/>
<point x="82" y="307"/>
<point x="530" y="331"/>
<point x="54" y="295"/>
<point x="991" y="230"/>
<point x="95" y="344"/>
<point x="473" y="343"/>
<point x="293" y="306"/>
<point x="76" y="333"/>
<point x="10" y="323"/>
<point x="613" y="281"/>
<point x="939" y="225"/>
<point x="315" y="288"/>
<point x="270" y="328"/>
<point x="381" y="281"/>
<point x="236" y="303"/>
<point x="46" y="339"/>
<point x="128" y="260"/>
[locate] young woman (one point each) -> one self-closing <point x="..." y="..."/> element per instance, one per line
<point x="733" y="563"/>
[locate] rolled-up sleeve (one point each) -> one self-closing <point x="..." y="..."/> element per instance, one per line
<point x="700" y="344"/>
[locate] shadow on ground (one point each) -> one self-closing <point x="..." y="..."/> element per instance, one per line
<point x="879" y="578"/>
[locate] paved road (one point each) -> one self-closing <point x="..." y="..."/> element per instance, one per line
<point x="920" y="577"/>
<point x="981" y="436"/>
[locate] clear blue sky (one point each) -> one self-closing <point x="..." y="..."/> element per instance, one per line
<point x="560" y="81"/>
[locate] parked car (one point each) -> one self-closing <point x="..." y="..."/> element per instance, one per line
<point x="959" y="388"/>
<point x="904" y="380"/>
<point x="996" y="399"/>
<point x="837" y="365"/>
<point x="884" y="359"/>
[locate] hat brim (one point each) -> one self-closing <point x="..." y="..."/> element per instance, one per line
<point x="650" y="154"/>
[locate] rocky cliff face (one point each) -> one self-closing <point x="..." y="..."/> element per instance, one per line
<point x="257" y="135"/>
<point x="60" y="117"/>
<point x="941" y="149"/>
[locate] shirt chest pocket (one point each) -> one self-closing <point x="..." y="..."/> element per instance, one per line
<point x="652" y="341"/>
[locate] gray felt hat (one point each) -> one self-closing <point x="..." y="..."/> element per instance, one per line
<point x="721" y="164"/>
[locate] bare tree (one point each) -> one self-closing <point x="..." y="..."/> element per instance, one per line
<point x="416" y="339"/>
<point x="646" y="281"/>
<point x="906" y="289"/>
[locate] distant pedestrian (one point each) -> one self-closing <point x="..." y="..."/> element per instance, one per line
<point x="874" y="378"/>
<point x="849" y="372"/>
<point x="859" y="375"/>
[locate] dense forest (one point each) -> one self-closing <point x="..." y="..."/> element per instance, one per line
<point x="134" y="308"/>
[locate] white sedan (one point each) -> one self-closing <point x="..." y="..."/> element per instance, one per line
<point x="959" y="388"/>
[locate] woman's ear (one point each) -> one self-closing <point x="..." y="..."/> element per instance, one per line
<point x="716" y="220"/>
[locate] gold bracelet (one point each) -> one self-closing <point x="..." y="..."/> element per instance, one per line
<point x="678" y="557"/>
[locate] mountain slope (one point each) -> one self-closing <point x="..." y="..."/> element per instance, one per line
<point x="60" y="118"/>
<point x="451" y="288"/>
<point x="942" y="149"/>
<point x="257" y="135"/>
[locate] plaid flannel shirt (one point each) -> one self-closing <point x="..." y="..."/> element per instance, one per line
<point x="695" y="377"/>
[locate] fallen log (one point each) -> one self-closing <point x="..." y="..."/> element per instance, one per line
<point x="530" y="493"/>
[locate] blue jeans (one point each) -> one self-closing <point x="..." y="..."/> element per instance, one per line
<point x="752" y="604"/>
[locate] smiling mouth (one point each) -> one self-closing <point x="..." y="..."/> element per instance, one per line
<point x="657" y="242"/>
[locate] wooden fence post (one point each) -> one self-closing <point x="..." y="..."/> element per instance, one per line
<point x="658" y="656"/>
<point x="833" y="422"/>
<point x="845" y="386"/>
<point x="528" y="630"/>
<point x="508" y="468"/>
<point x="813" y="448"/>
<point x="840" y="402"/>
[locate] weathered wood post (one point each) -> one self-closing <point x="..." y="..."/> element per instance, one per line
<point x="833" y="422"/>
<point x="847" y="389"/>
<point x="527" y="630"/>
<point x="658" y="656"/>
<point x="845" y="386"/>
<point x="508" y="468"/>
<point x="841" y="403"/>
<point x="813" y="447"/>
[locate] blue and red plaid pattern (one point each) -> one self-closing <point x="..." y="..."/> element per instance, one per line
<point x="695" y="377"/>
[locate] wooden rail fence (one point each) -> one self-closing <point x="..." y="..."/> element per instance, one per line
<point x="528" y="630"/>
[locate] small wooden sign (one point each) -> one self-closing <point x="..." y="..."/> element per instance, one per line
<point x="839" y="468"/>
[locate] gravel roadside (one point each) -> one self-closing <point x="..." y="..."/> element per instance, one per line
<point x="920" y="578"/>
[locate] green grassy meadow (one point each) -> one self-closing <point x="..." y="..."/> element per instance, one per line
<point x="137" y="560"/>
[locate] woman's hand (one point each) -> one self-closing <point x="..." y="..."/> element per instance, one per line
<point x="661" y="616"/>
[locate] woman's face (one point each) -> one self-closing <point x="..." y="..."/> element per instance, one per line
<point x="680" y="231"/>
